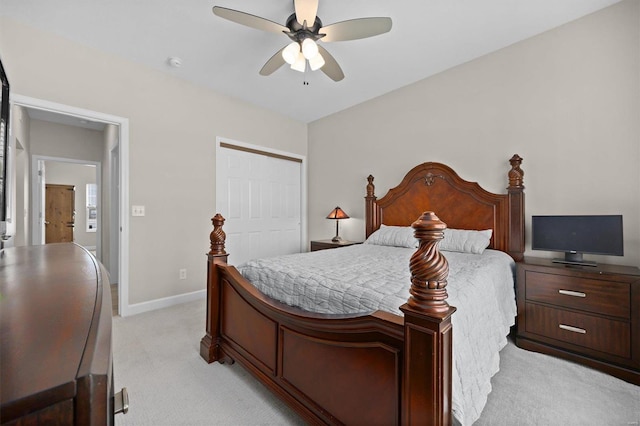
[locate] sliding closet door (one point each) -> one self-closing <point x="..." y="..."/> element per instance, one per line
<point x="259" y="194"/>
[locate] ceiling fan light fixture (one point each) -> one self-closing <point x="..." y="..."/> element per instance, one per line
<point x="309" y="48"/>
<point x="304" y="28"/>
<point x="291" y="52"/>
<point x="316" y="62"/>
<point x="300" y="64"/>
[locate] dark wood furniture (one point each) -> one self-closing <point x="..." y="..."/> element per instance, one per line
<point x="55" y="328"/>
<point x="373" y="369"/>
<point x="5" y="112"/>
<point x="329" y="244"/>
<point x="586" y="314"/>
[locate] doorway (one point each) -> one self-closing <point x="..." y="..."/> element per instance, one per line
<point x="118" y="232"/>
<point x="85" y="176"/>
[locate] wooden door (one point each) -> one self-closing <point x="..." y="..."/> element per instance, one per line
<point x="59" y="215"/>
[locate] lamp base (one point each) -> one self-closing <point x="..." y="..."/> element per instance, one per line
<point x="336" y="239"/>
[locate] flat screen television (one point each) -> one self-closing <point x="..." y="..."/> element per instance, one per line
<point x="575" y="235"/>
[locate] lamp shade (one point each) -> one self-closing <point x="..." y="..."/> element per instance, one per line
<point x="316" y="62"/>
<point x="300" y="64"/>
<point x="290" y="53"/>
<point x="309" y="48"/>
<point x="337" y="213"/>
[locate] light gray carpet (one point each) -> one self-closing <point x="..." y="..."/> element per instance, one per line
<point x="156" y="356"/>
<point x="537" y="389"/>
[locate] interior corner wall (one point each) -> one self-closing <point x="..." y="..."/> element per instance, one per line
<point x="111" y="141"/>
<point x="173" y="126"/>
<point x="567" y="101"/>
<point x="20" y="123"/>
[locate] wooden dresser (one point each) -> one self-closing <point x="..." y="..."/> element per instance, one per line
<point x="55" y="329"/>
<point x="586" y="314"/>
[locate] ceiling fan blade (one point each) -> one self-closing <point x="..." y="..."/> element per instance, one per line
<point x="249" y="20"/>
<point x="330" y="67"/>
<point x="355" y="29"/>
<point x="275" y="62"/>
<point x="306" y="10"/>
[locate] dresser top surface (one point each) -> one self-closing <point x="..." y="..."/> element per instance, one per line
<point x="48" y="297"/>
<point x="600" y="268"/>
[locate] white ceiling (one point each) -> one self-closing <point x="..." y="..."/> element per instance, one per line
<point x="428" y="36"/>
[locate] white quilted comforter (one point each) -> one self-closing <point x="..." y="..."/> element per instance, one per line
<point x="366" y="277"/>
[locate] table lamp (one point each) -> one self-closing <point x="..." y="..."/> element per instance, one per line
<point x="337" y="214"/>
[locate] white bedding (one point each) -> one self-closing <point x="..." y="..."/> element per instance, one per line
<point x="364" y="278"/>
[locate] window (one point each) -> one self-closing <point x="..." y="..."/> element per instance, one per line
<point x="92" y="209"/>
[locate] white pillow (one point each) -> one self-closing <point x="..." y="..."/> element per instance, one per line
<point x="465" y="241"/>
<point x="396" y="236"/>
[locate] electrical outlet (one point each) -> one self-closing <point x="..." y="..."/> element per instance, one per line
<point x="137" y="210"/>
<point x="183" y="274"/>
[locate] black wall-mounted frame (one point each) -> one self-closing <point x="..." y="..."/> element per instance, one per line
<point x="4" y="143"/>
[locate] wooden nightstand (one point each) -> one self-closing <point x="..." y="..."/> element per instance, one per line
<point x="328" y="244"/>
<point x="590" y="315"/>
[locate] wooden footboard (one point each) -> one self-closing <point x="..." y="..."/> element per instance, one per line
<point x="335" y="369"/>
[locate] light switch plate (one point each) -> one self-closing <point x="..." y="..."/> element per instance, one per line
<point x="137" y="210"/>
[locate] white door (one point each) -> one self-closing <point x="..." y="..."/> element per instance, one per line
<point x="259" y="195"/>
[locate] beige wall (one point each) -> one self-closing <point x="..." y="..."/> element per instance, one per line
<point x="78" y="175"/>
<point x="173" y="126"/>
<point x="61" y="140"/>
<point x="567" y="101"/>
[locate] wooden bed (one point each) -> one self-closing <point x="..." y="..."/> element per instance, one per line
<point x="379" y="368"/>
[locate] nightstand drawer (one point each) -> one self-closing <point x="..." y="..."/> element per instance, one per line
<point x="600" y="334"/>
<point x="598" y="296"/>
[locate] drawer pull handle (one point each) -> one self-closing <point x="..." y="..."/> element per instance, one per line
<point x="573" y="329"/>
<point x="121" y="402"/>
<point x="572" y="293"/>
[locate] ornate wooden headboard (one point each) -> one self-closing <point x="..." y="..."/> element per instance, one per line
<point x="459" y="203"/>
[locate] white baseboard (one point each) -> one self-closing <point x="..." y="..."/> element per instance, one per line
<point x="165" y="302"/>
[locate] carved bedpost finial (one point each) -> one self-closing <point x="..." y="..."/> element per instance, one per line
<point x="372" y="210"/>
<point x="429" y="268"/>
<point x="217" y="236"/>
<point x="370" y="186"/>
<point x="516" y="174"/>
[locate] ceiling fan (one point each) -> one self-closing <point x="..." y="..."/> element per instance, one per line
<point x="305" y="29"/>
